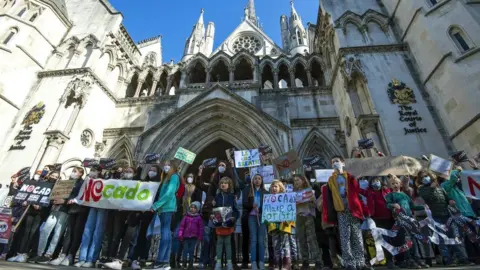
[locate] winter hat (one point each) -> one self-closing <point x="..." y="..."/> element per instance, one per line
<point x="197" y="205"/>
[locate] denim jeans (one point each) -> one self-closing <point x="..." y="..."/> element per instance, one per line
<point x="257" y="239"/>
<point x="458" y="250"/>
<point x="188" y="249"/>
<point x="92" y="235"/>
<point x="56" y="222"/>
<point x="165" y="246"/>
<point x="205" y="255"/>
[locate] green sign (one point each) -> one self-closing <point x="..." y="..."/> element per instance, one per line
<point x="185" y="155"/>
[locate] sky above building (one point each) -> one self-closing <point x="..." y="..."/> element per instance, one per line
<point x="174" y="19"/>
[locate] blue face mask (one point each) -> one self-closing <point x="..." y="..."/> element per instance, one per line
<point x="363" y="184"/>
<point x="376" y="185"/>
<point x="410" y="182"/>
<point x="426" y="180"/>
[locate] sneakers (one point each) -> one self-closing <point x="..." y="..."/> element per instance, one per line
<point x="58" y="260"/>
<point x="261" y="265"/>
<point x="254" y="266"/>
<point x="218" y="266"/>
<point x="67" y="261"/>
<point x="88" y="265"/>
<point x="465" y="262"/>
<point x="33" y="259"/>
<point x="22" y="258"/>
<point x="13" y="259"/>
<point x="136" y="265"/>
<point x="201" y="266"/>
<point x="116" y="264"/>
<point x="79" y="264"/>
<point x="43" y="260"/>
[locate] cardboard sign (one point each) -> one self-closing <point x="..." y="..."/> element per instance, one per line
<point x="314" y="161"/>
<point x="24" y="171"/>
<point x="247" y="158"/>
<point x="383" y="166"/>
<point x="62" y="189"/>
<point x="118" y="194"/>
<point x="323" y="175"/>
<point x="279" y="207"/>
<point x="471" y="184"/>
<point x="5" y="225"/>
<point x="265" y="171"/>
<point x="185" y="155"/>
<point x="152" y="158"/>
<point x="365" y="143"/>
<point x="222" y="214"/>
<point x="266" y="154"/>
<point x="107" y="163"/>
<point x="34" y="192"/>
<point x="305" y="195"/>
<point x="90" y="162"/>
<point x="210" y="163"/>
<point x="287" y="162"/>
<point x="460" y="157"/>
<point x="440" y="166"/>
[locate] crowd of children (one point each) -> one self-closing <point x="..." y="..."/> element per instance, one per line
<point x="198" y="216"/>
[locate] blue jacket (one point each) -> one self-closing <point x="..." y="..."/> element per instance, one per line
<point x="227" y="200"/>
<point x="457" y="195"/>
<point x="167" y="200"/>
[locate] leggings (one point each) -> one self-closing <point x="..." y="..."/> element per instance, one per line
<point x="74" y="232"/>
<point x="31" y="225"/>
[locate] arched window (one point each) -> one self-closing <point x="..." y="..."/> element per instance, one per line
<point x="301" y="79"/>
<point x="220" y="72"/>
<point x="243" y="70"/>
<point x="34" y="17"/>
<point x="9" y="37"/>
<point x="284" y="76"/>
<point x="162" y="84"/>
<point x="147" y="85"/>
<point x="197" y="73"/>
<point x="267" y="77"/>
<point x="20" y="14"/>
<point x="132" y="87"/>
<point x="87" y="53"/>
<point x="300" y="39"/>
<point x="461" y="40"/>
<point x="432" y="3"/>
<point x="175" y="83"/>
<point x="317" y="74"/>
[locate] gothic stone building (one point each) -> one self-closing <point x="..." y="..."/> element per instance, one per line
<point x="73" y="83"/>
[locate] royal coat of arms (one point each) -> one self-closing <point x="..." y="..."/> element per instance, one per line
<point x="399" y="93"/>
<point x="34" y="115"/>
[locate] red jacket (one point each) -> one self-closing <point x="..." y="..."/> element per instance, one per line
<point x="355" y="206"/>
<point x="377" y="206"/>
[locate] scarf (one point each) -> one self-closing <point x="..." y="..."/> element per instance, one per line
<point x="187" y="197"/>
<point x="333" y="185"/>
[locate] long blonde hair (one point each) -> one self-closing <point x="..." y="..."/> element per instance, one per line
<point x="279" y="184"/>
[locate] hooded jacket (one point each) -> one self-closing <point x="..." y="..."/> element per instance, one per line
<point x="454" y="193"/>
<point x="332" y="202"/>
<point x="191" y="227"/>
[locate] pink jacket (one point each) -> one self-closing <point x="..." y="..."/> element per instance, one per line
<point x="191" y="227"/>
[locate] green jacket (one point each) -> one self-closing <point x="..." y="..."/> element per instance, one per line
<point x="403" y="200"/>
<point x="167" y="200"/>
<point x="457" y="195"/>
<point x="436" y="199"/>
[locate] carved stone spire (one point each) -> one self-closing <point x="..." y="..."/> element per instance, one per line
<point x="252" y="14"/>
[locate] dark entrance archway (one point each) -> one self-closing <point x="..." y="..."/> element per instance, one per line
<point x="215" y="149"/>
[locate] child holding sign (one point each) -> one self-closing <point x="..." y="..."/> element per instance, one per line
<point x="280" y="232"/>
<point x="224" y="218"/>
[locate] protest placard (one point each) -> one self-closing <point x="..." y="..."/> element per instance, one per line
<point x="305" y="195"/>
<point x="323" y="175"/>
<point x="107" y="163"/>
<point x="117" y="194"/>
<point x="266" y="154"/>
<point x="471" y="184"/>
<point x="460" y="156"/>
<point x="152" y="158"/>
<point x="314" y="161"/>
<point x="230" y="153"/>
<point x="34" y="192"/>
<point x="5" y="225"/>
<point x="383" y="166"/>
<point x="279" y="207"/>
<point x="265" y="171"/>
<point x="365" y="143"/>
<point x="287" y="162"/>
<point x="90" y="162"/>
<point x="440" y="166"/>
<point x="210" y="163"/>
<point x="185" y="155"/>
<point x="222" y="214"/>
<point x="247" y="158"/>
<point x="62" y="189"/>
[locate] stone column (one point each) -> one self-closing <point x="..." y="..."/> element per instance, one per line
<point x="207" y="80"/>
<point x="183" y="79"/>
<point x="292" y="78"/>
<point x="309" y="77"/>
<point x="275" y="79"/>
<point x="169" y="85"/>
<point x="139" y="88"/>
<point x="154" y="86"/>
<point x="55" y="141"/>
<point x="231" y="79"/>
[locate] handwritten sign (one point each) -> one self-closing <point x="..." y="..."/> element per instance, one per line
<point x="287" y="162"/>
<point x="247" y="158"/>
<point x="266" y="172"/>
<point x="471" y="184"/>
<point x="305" y="195"/>
<point x="185" y="155"/>
<point x="210" y="163"/>
<point x="383" y="166"/>
<point x="62" y="189"/>
<point x="314" y="161"/>
<point x="279" y="207"/>
<point x="323" y="175"/>
<point x="440" y="166"/>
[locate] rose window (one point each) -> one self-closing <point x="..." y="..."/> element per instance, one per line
<point x="248" y="43"/>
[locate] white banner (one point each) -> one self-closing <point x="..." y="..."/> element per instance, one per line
<point x="471" y="184"/>
<point x="118" y="194"/>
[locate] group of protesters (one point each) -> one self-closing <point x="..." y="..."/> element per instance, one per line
<point x="327" y="231"/>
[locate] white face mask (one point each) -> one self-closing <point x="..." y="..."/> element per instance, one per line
<point x="152" y="174"/>
<point x="221" y="169"/>
<point x="93" y="174"/>
<point x="128" y="175"/>
<point x="73" y="176"/>
<point x="190" y="180"/>
<point x="36" y="177"/>
<point x="338" y="166"/>
<point x="166" y="168"/>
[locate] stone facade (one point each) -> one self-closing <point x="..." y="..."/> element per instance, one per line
<point x="73" y="84"/>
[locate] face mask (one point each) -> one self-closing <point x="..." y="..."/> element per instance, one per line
<point x="44" y="172"/>
<point x="376" y="185"/>
<point x="128" y="175"/>
<point x="338" y="166"/>
<point x="426" y="180"/>
<point x="166" y="168"/>
<point x="93" y="174"/>
<point x="363" y="184"/>
<point x="74" y="176"/>
<point x="36" y="177"/>
<point x="190" y="180"/>
<point x="221" y="169"/>
<point x="152" y="174"/>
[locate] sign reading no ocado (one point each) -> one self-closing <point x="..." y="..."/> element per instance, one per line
<point x="279" y="207"/>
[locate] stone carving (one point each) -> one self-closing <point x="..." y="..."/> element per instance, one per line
<point x="32" y="117"/>
<point x="77" y="91"/>
<point x="248" y="43"/>
<point x="399" y="93"/>
<point x="150" y="60"/>
<point x="86" y="138"/>
<point x="350" y="67"/>
<point x="99" y="148"/>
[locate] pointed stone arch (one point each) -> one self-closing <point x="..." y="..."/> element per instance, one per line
<point x="265" y="62"/>
<point x="122" y="148"/>
<point x="244" y="55"/>
<point x="220" y="56"/>
<point x="317" y="143"/>
<point x="282" y="60"/>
